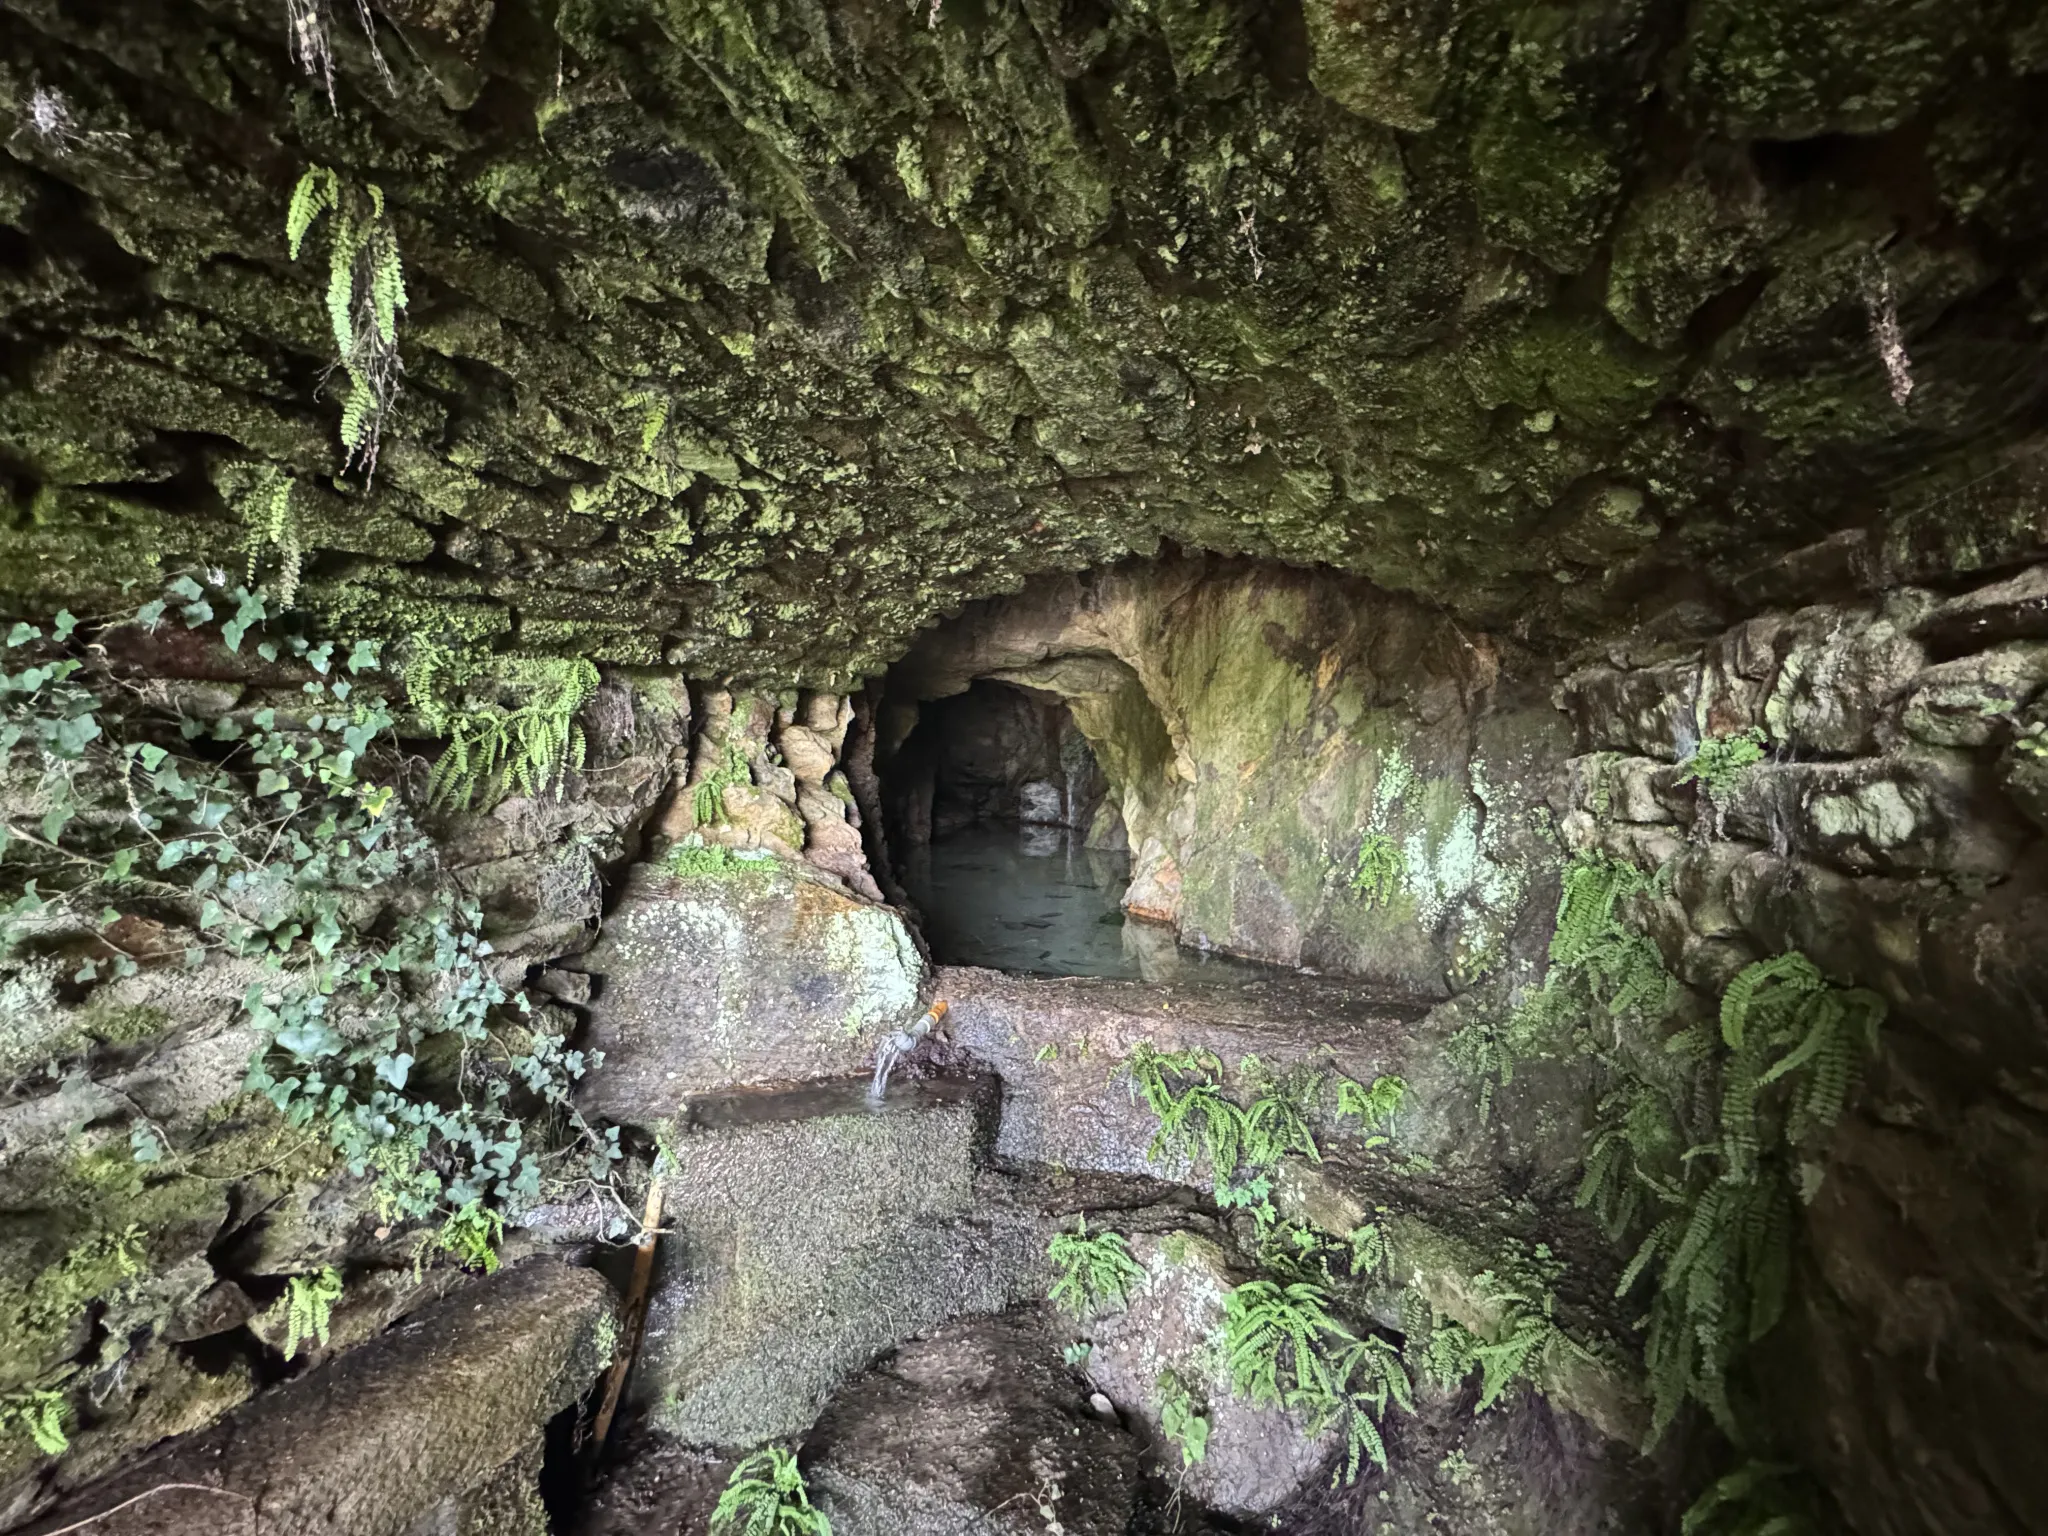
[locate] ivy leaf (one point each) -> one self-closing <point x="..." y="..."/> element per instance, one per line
<point x="309" y="1039"/>
<point x="64" y="624"/>
<point x="152" y="756"/>
<point x="394" y="1069"/>
<point x="150" y="615"/>
<point x="122" y="864"/>
<point x="196" y="614"/>
<point x="363" y="657"/>
<point x="326" y="934"/>
<point x="147" y="1146"/>
<point x="185" y="589"/>
<point x="71" y="737"/>
<point x="270" y="781"/>
<point x="21" y="634"/>
<point x="54" y="822"/>
<point x="267" y="650"/>
<point x="175" y="853"/>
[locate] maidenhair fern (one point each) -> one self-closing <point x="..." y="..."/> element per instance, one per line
<point x="1095" y="1270"/>
<point x="1598" y="968"/>
<point x="1758" y="1498"/>
<point x="766" y="1496"/>
<point x="1636" y="1145"/>
<point x="37" y="1413"/>
<point x="271" y="525"/>
<point x="1719" y="761"/>
<point x="1723" y="1259"/>
<point x="509" y="721"/>
<point x="1783" y="1021"/>
<point x="309" y="1303"/>
<point x="471" y="1236"/>
<point x="1374" y="1108"/>
<point x="1379" y="870"/>
<point x="707" y="795"/>
<point x="365" y="292"/>
<point x="1283" y="1349"/>
<point x="1276" y="1122"/>
<point x="654" y="411"/>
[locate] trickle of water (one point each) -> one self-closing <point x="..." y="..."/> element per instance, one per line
<point x="901" y="1043"/>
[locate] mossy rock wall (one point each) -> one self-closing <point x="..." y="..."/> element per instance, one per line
<point x="756" y="336"/>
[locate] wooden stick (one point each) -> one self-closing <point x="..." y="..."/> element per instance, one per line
<point x="636" y="1316"/>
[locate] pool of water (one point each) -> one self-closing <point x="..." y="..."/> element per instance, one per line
<point x="1034" y="901"/>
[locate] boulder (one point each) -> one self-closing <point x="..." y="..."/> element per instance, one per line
<point x="1257" y="1459"/>
<point x="810" y="1230"/>
<point x="976" y="1431"/>
<point x="439" y="1418"/>
<point x="1058" y="1045"/>
<point x="2015" y="609"/>
<point x="754" y="973"/>
<point x="1964" y="703"/>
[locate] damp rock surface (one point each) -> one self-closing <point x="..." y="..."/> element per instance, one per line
<point x="800" y="1247"/>
<point x="427" y="1416"/>
<point x="977" y="1429"/>
<point x="749" y="974"/>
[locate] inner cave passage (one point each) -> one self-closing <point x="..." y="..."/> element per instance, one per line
<point x="1009" y="841"/>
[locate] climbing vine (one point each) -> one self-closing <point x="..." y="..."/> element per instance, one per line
<point x="267" y="832"/>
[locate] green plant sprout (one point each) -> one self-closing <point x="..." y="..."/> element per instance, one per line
<point x="1718" y="762"/>
<point x="766" y="1496"/>
<point x="471" y="1236"/>
<point x="1182" y="1419"/>
<point x="39" y="1414"/>
<point x="1094" y="1270"/>
<point x="1380" y="869"/>
<point x="1373" y="1108"/>
<point x="309" y="1305"/>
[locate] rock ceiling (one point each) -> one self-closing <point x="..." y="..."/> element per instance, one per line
<point x="752" y="335"/>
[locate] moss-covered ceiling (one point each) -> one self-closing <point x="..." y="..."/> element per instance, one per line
<point x="752" y="334"/>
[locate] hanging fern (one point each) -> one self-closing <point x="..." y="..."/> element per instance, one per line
<point x="365" y="292"/>
<point x="1723" y="1261"/>
<point x="509" y="721"/>
<point x="270" y="525"/>
<point x="309" y="1303"/>
<point x="1380" y="869"/>
<point x="1783" y="1021"/>
<point x="1633" y="1151"/>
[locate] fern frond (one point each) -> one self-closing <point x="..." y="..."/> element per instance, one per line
<point x="309" y="1303"/>
<point x="317" y="191"/>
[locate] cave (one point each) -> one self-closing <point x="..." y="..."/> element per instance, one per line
<point x="1001" y="766"/>
<point x="992" y="804"/>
